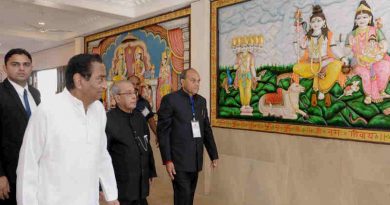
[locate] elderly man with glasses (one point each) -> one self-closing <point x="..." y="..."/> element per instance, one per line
<point x="128" y="144"/>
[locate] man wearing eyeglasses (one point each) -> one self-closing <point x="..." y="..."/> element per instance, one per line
<point x="17" y="102"/>
<point x="144" y="106"/>
<point x="128" y="144"/>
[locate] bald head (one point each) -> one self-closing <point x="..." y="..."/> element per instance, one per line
<point x="183" y="74"/>
<point x="190" y="81"/>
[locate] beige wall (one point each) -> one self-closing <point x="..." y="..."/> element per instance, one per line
<point x="276" y="169"/>
<point x="1" y="60"/>
<point x="54" y="57"/>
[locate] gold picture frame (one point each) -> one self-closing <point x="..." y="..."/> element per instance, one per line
<point x="357" y="134"/>
<point x="156" y="50"/>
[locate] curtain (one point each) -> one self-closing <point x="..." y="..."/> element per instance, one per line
<point x="176" y="43"/>
<point x="60" y="78"/>
<point x="32" y="80"/>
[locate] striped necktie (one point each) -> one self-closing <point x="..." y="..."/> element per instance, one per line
<point x="26" y="103"/>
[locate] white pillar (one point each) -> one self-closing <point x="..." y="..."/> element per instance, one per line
<point x="200" y="44"/>
<point x="200" y="60"/>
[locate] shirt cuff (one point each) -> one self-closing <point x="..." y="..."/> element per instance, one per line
<point x="111" y="196"/>
<point x="168" y="161"/>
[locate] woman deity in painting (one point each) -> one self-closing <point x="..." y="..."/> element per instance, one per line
<point x="245" y="78"/>
<point x="119" y="69"/>
<point x="373" y="69"/>
<point x="319" y="58"/>
<point x="139" y="65"/>
<point x="164" y="77"/>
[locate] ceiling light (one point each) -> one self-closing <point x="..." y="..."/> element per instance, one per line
<point x="139" y="2"/>
<point x="41" y="23"/>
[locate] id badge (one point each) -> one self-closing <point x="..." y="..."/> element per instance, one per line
<point x="145" y="112"/>
<point x="195" y="129"/>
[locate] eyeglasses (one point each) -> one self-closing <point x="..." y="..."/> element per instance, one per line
<point x="135" y="93"/>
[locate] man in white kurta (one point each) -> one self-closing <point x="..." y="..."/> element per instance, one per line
<point x="64" y="153"/>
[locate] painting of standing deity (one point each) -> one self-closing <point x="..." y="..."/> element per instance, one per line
<point x="154" y="50"/>
<point x="316" y="68"/>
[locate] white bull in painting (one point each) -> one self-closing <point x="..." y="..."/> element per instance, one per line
<point x="284" y="104"/>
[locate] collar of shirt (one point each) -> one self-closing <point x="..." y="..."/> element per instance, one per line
<point x="19" y="89"/>
<point x="77" y="103"/>
<point x="182" y="92"/>
<point x="123" y="113"/>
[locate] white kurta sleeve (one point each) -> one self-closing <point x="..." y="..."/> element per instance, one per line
<point x="30" y="154"/>
<point x="107" y="175"/>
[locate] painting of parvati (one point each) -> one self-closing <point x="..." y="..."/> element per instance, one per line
<point x="323" y="62"/>
<point x="156" y="54"/>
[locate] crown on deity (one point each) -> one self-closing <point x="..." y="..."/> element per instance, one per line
<point x="138" y="50"/>
<point x="121" y="49"/>
<point x="165" y="54"/>
<point x="363" y="7"/>
<point x="244" y="41"/>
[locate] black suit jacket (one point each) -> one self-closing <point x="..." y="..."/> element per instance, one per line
<point x="13" y="122"/>
<point x="133" y="162"/>
<point x="174" y="131"/>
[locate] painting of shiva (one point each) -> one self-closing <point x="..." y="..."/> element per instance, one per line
<point x="300" y="67"/>
<point x="154" y="50"/>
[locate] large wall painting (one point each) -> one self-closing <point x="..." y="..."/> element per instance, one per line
<point x="314" y="68"/>
<point x="156" y="50"/>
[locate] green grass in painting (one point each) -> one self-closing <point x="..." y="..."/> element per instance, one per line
<point x="345" y="111"/>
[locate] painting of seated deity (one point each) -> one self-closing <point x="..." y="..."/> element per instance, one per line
<point x="300" y="67"/>
<point x="155" y="51"/>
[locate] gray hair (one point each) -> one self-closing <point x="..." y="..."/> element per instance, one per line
<point x="115" y="90"/>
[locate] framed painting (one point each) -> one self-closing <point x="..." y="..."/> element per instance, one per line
<point x="312" y="68"/>
<point x="155" y="50"/>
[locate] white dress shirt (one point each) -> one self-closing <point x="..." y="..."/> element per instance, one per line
<point x="64" y="155"/>
<point x="19" y="89"/>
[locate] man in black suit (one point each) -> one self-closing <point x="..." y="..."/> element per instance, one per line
<point x="128" y="144"/>
<point x="183" y="128"/>
<point x="17" y="101"/>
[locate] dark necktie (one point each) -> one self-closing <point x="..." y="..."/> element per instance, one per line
<point x="26" y="104"/>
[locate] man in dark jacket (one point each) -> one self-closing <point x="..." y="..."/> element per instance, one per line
<point x="143" y="105"/>
<point x="183" y="128"/>
<point x="129" y="147"/>
<point x="17" y="102"/>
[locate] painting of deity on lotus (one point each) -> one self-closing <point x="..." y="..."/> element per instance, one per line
<point x="309" y="64"/>
<point x="155" y="53"/>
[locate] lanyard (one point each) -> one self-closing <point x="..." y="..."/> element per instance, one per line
<point x="192" y="107"/>
<point x="139" y="142"/>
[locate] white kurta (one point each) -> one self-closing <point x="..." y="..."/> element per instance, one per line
<point x="64" y="155"/>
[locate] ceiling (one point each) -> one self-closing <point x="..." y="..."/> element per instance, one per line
<point x="41" y="24"/>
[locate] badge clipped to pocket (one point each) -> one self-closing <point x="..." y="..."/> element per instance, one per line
<point x="195" y="129"/>
<point x="145" y="112"/>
